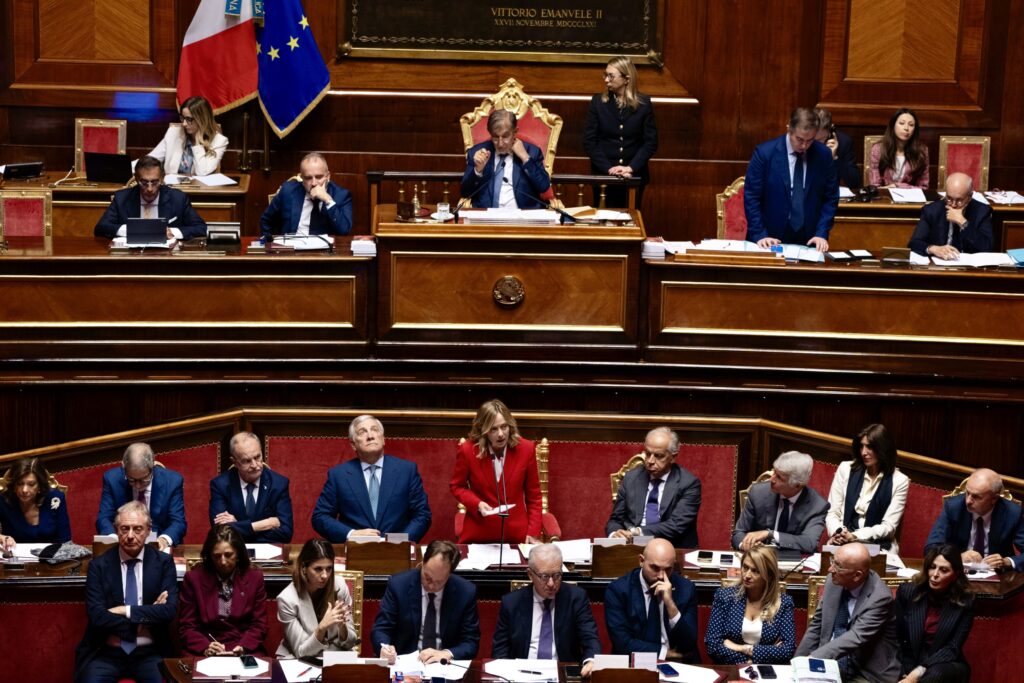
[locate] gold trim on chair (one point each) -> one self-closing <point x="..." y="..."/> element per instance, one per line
<point x="869" y="140"/>
<point x="120" y="124"/>
<point x="616" y="477"/>
<point x="962" y="488"/>
<point x="816" y="588"/>
<point x="512" y="97"/>
<point x="47" y="198"/>
<point x="720" y="199"/>
<point x="986" y="147"/>
<point x="354" y="580"/>
<point x="744" y="493"/>
<point x="5" y="482"/>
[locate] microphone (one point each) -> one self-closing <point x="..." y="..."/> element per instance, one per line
<point x="462" y="202"/>
<point x="798" y="565"/>
<point x="447" y="662"/>
<point x="563" y="216"/>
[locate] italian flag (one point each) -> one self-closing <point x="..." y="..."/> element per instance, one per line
<point x="218" y="57"/>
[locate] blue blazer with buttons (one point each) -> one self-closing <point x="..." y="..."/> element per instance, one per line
<point x="166" y="503"/>
<point x="273" y="500"/>
<point x="778" y="636"/>
<point x="625" y="615"/>
<point x="530" y="180"/>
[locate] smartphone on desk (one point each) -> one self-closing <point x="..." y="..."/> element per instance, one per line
<point x="248" y="662"/>
<point x="667" y="670"/>
<point x="816" y="665"/>
<point x="573" y="672"/>
<point x="767" y="671"/>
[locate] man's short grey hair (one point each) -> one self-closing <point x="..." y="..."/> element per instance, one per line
<point x="314" y="156"/>
<point x="796" y="466"/>
<point x="240" y="437"/>
<point x="133" y="506"/>
<point x="544" y="551"/>
<point x="138" y="456"/>
<point x="673" y="438"/>
<point x="352" y="425"/>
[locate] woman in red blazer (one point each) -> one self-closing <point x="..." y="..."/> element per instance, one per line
<point x="223" y="598"/>
<point x="494" y="445"/>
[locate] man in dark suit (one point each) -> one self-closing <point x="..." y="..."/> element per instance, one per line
<point x="958" y="224"/>
<point x="791" y="190"/>
<point x="150" y="199"/>
<point x="315" y="206"/>
<point x="251" y="497"/>
<point x="983" y="524"/>
<point x="373" y="494"/>
<point x="548" y="619"/>
<point x="429" y="610"/>
<point x="785" y="511"/>
<point x="841" y="146"/>
<point x="661" y="498"/>
<point x="653" y="609"/>
<point x="505" y="171"/>
<point x="159" y="489"/>
<point x="131" y="597"/>
<point x="855" y="622"/>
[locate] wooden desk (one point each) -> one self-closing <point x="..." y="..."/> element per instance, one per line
<point x="78" y="206"/>
<point x="82" y="302"/>
<point x="578" y="288"/>
<point x="956" y="323"/>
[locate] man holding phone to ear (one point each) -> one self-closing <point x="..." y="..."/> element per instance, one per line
<point x="314" y="206"/>
<point x="841" y="146"/>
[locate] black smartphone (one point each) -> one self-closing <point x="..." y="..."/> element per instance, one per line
<point x="725" y="558"/>
<point x="667" y="670"/>
<point x="816" y="665"/>
<point x="573" y="672"/>
<point x="705" y="555"/>
<point x="767" y="671"/>
<point x="249" y="662"/>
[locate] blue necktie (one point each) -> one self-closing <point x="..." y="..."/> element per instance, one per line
<point x="430" y="624"/>
<point x="796" y="211"/>
<point x="652" y="633"/>
<point x="499" y="177"/>
<point x="546" y="632"/>
<point x="250" y="502"/>
<point x="783" y="526"/>
<point x="653" y="515"/>
<point x="131" y="598"/>
<point x="841" y="626"/>
<point x="374" y="489"/>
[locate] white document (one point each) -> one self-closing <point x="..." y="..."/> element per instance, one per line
<point x="215" y="180"/>
<point x="305" y="242"/>
<point x="498" y="510"/>
<point x="296" y="671"/>
<point x="122" y="242"/>
<point x="608" y="542"/>
<point x="906" y="573"/>
<point x="523" y="670"/>
<point x="410" y="664"/>
<point x="22" y="552"/>
<point x="1005" y="197"/>
<point x="845" y="192"/>
<point x="606" y="215"/>
<point x="861" y="253"/>
<point x="907" y="195"/>
<point x="918" y="260"/>
<point x="483" y="555"/>
<point x="694" y="674"/>
<point x="799" y="252"/>
<point x="610" y="662"/>
<point x="264" y="551"/>
<point x="979" y="260"/>
<point x="730" y="245"/>
<point x="332" y="657"/>
<point x="229" y="667"/>
<point x="537" y="216"/>
<point x="576" y="550"/>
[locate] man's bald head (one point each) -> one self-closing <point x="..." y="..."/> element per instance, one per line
<point x="982" y="490"/>
<point x="850" y="565"/>
<point x="959" y="185"/>
<point x="658" y="561"/>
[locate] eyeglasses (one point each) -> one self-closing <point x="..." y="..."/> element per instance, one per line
<point x="611" y="77"/>
<point x="143" y="480"/>
<point x="187" y="119"/>
<point x="838" y="568"/>
<point x="956" y="202"/>
<point x="751" y="673"/>
<point x="544" y="578"/>
<point x="148" y="183"/>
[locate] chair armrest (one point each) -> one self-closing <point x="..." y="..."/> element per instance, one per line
<point x="549" y="528"/>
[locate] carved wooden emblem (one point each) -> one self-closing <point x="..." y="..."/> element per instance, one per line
<point x="509" y="291"/>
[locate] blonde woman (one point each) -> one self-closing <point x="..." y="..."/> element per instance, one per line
<point x="497" y="466"/>
<point x="193" y="147"/>
<point x="620" y="136"/>
<point x="752" y="622"/>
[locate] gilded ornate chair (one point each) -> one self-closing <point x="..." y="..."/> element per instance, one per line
<point x="816" y="588"/>
<point x="869" y="140"/>
<point x="963" y="154"/>
<point x="732" y="217"/>
<point x="26" y="214"/>
<point x="536" y="124"/>
<point x="98" y="135"/>
<point x="549" y="528"/>
<point x="962" y="487"/>
<point x="616" y="477"/>
<point x="354" y="581"/>
<point x="5" y="482"/>
<point x="744" y="493"/>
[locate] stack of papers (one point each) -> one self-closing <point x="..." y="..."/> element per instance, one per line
<point x="23" y="552"/>
<point x="122" y="243"/>
<point x="731" y="245"/>
<point x="657" y="249"/>
<point x="364" y="247"/>
<point x="797" y="252"/>
<point x="1005" y="197"/>
<point x="517" y="216"/>
<point x="577" y="551"/>
<point x="411" y="664"/>
<point x="979" y="260"/>
<point x="483" y="555"/>
<point x="523" y="670"/>
<point x="305" y="242"/>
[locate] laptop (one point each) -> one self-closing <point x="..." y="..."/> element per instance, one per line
<point x="143" y="232"/>
<point x="101" y="167"/>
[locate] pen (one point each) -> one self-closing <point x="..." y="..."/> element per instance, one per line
<point x="303" y="673"/>
<point x="535" y="673"/>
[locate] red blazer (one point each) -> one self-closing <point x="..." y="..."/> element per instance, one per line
<point x="473" y="481"/>
<point x="197" y="612"/>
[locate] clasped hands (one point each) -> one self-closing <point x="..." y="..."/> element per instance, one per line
<point x="819" y="243"/>
<point x="621" y="171"/>
<point x="995" y="561"/>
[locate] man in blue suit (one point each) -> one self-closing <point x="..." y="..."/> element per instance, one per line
<point x="548" y="619"/>
<point x="429" y="610"/>
<point x="373" y="494"/>
<point x="315" y="206"/>
<point x="505" y="172"/>
<point x="150" y="199"/>
<point x="983" y="524"/>
<point x="131" y="597"/>
<point x="959" y="224"/>
<point x="653" y="609"/>
<point x="251" y="497"/>
<point x="160" y="490"/>
<point x="792" y="190"/>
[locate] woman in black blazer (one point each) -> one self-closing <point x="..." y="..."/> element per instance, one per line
<point x="934" y="613"/>
<point x="620" y="136"/>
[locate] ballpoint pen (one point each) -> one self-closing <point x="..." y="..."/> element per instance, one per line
<point x="303" y="673"/>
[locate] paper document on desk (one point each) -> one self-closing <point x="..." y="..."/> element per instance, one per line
<point x="22" y="552"/>
<point x="978" y="260"/>
<point x="694" y="674"/>
<point x="606" y="215"/>
<point x="1005" y="197"/>
<point x="576" y="550"/>
<point x="498" y="510"/>
<point x="907" y="195"/>
<point x="122" y="243"/>
<point x="214" y="180"/>
<point x="229" y="667"/>
<point x="523" y="670"/>
<point x="845" y="192"/>
<point x="798" y="252"/>
<point x="533" y="216"/>
<point x="411" y="664"/>
<point x="265" y="551"/>
<point x="298" y="671"/>
<point x="305" y="242"/>
<point x="483" y="555"/>
<point x="731" y="245"/>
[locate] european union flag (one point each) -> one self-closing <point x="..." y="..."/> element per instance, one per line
<point x="293" y="76"/>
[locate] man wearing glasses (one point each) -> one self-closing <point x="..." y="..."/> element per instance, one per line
<point x="131" y="597"/>
<point x="548" y="619"/>
<point x="159" y="489"/>
<point x="150" y="199"/>
<point x="961" y="224"/>
<point x="855" y="622"/>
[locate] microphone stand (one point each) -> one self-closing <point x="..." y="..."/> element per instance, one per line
<point x="503" y="514"/>
<point x="447" y="662"/>
<point x="483" y="184"/>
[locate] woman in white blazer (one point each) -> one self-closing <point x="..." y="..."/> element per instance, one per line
<point x="315" y="610"/>
<point x="192" y="147"/>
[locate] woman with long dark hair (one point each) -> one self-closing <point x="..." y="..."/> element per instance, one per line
<point x="315" y="609"/>
<point x="900" y="159"/>
<point x="31" y="511"/>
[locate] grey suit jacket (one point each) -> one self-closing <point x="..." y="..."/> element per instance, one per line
<point x="807" y="518"/>
<point x="871" y="639"/>
<point x="680" y="502"/>
<point x="299" y="622"/>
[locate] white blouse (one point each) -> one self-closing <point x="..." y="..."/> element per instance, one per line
<point x="886" y="529"/>
<point x="171" y="147"/>
<point x="751" y="631"/>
